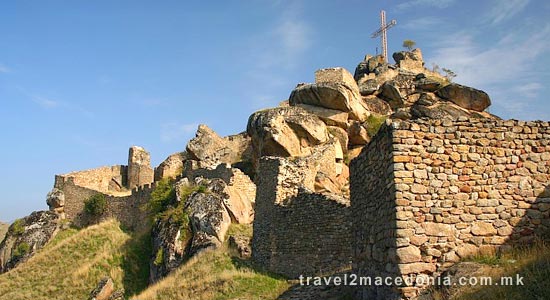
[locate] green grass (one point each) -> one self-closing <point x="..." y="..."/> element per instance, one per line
<point x="215" y="274"/>
<point x="17" y="227"/>
<point x="72" y="264"/>
<point x="374" y="122"/>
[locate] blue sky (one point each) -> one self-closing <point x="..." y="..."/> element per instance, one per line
<point x="81" y="81"/>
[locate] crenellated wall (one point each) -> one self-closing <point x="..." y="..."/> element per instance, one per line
<point x="451" y="189"/>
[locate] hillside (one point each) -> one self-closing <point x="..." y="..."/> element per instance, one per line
<point x="70" y="266"/>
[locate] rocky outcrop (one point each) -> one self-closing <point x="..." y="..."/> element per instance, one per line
<point x="105" y="290"/>
<point x="171" y="167"/>
<point x="465" y="97"/>
<point x="210" y="150"/>
<point x="56" y="200"/>
<point x="26" y="236"/>
<point x="285" y="131"/>
<point x="3" y="229"/>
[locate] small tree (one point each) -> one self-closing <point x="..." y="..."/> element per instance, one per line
<point x="449" y="74"/>
<point x="409" y="44"/>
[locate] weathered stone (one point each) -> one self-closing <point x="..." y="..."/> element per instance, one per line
<point x="390" y="93"/>
<point x="285" y="131"/>
<point x="3" y="230"/>
<point x="466" y="250"/>
<point x="409" y="60"/>
<point x="331" y="117"/>
<point x="426" y="84"/>
<point x="466" y="97"/>
<point x="376" y="105"/>
<point x="483" y="229"/>
<point x="408" y="254"/>
<point x="26" y="236"/>
<point x="368" y="87"/>
<point x="341" y="135"/>
<point x="358" y="134"/>
<point x="139" y="167"/>
<point x="56" y="200"/>
<point x="330" y="95"/>
<point x="241" y="244"/>
<point x="337" y="75"/>
<point x="171" y="167"/>
<point x="370" y="65"/>
<point x="439" y="110"/>
<point x="104" y="289"/>
<point x="438" y="229"/>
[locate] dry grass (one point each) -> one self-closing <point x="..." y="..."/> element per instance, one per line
<point x="216" y="275"/>
<point x="530" y="262"/>
<point x="70" y="266"/>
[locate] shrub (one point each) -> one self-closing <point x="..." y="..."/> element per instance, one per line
<point x="162" y="196"/>
<point x="21" y="250"/>
<point x="374" y="122"/>
<point x="17" y="227"/>
<point x="95" y="205"/>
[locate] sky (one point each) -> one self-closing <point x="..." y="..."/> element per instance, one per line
<point x="82" y="81"/>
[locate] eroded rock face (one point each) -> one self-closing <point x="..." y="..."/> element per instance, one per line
<point x="208" y="216"/>
<point x="3" y="229"/>
<point x="465" y="97"/>
<point x="171" y="167"/>
<point x="26" y="236"/>
<point x="170" y="239"/>
<point x="56" y="200"/>
<point x="285" y="131"/>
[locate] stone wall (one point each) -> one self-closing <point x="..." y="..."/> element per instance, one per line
<point x="297" y="232"/>
<point x="109" y="179"/>
<point x="127" y="209"/>
<point x="458" y="188"/>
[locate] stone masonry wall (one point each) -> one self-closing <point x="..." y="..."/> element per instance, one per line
<point x="460" y="187"/>
<point x="373" y="212"/>
<point x="297" y="232"/>
<point x="127" y="209"/>
<point x="109" y="179"/>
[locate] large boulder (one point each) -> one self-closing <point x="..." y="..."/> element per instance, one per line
<point x="238" y="191"/>
<point x="465" y="97"/>
<point x="170" y="237"/>
<point x="285" y="131"/>
<point x="409" y="60"/>
<point x="331" y="117"/>
<point x="208" y="216"/>
<point x="210" y="150"/>
<point x="171" y="167"/>
<point x="376" y="105"/>
<point x="56" y="200"/>
<point x="370" y="65"/>
<point x="332" y="95"/>
<point x="389" y="91"/>
<point x="26" y="236"/>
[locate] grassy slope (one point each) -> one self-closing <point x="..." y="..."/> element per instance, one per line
<point x="218" y="275"/>
<point x="70" y="266"/>
<point x="532" y="263"/>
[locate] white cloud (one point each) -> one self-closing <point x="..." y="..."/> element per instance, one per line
<point x="431" y="3"/>
<point x="44" y="102"/>
<point x="174" y="131"/>
<point x="505" y="69"/>
<point x="505" y="9"/>
<point x="4" y="69"/>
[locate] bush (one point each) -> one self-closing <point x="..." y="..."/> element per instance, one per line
<point x="162" y="196"/>
<point x="96" y="205"/>
<point x="17" y="227"/>
<point x="374" y="122"/>
<point x="21" y="250"/>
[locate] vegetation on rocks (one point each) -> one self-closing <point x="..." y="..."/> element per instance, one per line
<point x="374" y="122"/>
<point x="17" y="227"/>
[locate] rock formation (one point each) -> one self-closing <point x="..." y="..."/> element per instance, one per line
<point x="26" y="236"/>
<point x="139" y="167"/>
<point x="3" y="230"/>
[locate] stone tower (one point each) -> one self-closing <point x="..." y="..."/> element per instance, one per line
<point x="139" y="167"/>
